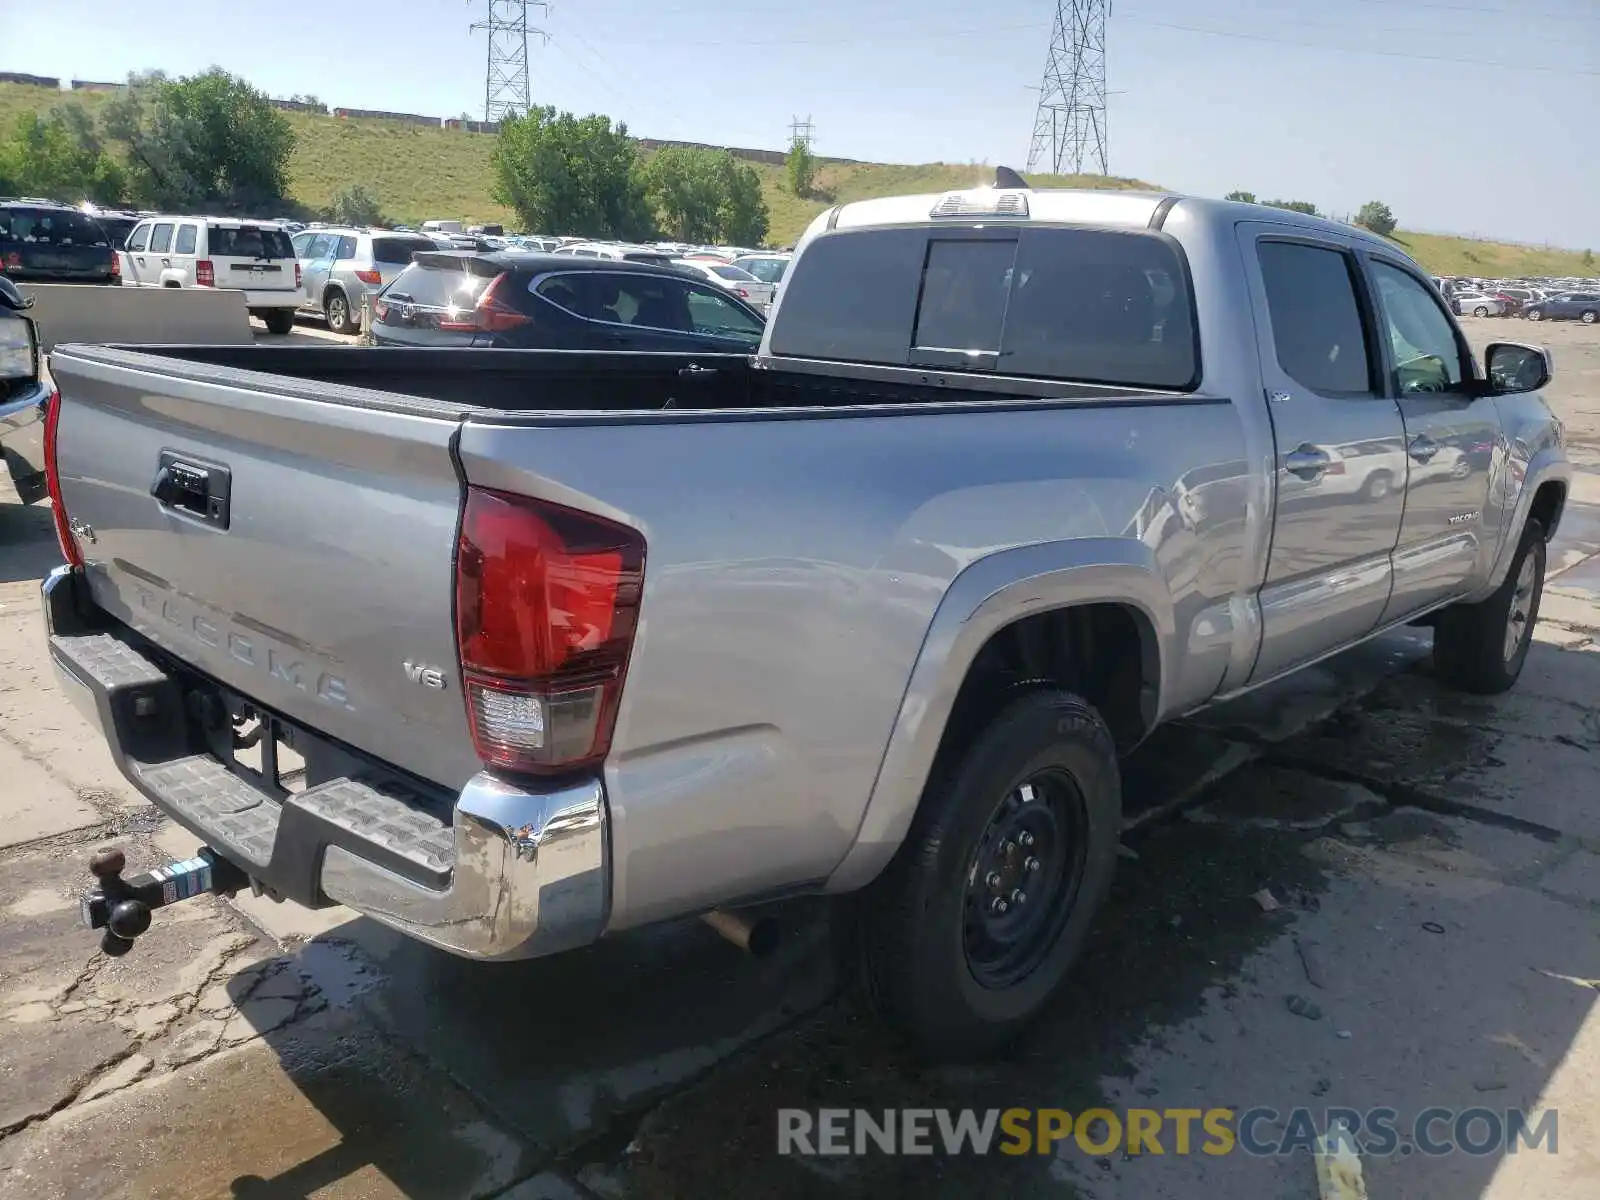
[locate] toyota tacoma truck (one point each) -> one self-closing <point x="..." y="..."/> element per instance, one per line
<point x="513" y="650"/>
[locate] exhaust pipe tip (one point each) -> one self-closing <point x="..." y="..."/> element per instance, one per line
<point x="757" y="935"/>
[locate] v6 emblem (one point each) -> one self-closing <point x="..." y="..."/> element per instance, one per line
<point x="428" y="677"/>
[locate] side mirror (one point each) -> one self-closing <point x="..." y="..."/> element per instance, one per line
<point x="1516" y="368"/>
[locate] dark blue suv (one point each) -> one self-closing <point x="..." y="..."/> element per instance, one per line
<point x="516" y="300"/>
<point x="42" y="240"/>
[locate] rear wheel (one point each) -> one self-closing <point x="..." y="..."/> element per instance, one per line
<point x="1589" y="316"/>
<point x="279" y="320"/>
<point x="976" y="921"/>
<point x="1481" y="647"/>
<point x="337" y="309"/>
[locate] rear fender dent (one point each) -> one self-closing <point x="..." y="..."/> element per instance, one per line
<point x="990" y="594"/>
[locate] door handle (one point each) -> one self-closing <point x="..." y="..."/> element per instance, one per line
<point x="1422" y="448"/>
<point x="696" y="371"/>
<point x="166" y="262"/>
<point x="1308" y="462"/>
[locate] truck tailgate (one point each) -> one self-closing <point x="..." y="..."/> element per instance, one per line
<point x="297" y="548"/>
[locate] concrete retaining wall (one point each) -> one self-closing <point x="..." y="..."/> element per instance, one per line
<point x="85" y="312"/>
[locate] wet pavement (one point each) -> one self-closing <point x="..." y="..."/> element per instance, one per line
<point x="1432" y="868"/>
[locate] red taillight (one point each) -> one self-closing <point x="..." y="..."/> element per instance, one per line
<point x="489" y="315"/>
<point x="205" y="274"/>
<point x="116" y="267"/>
<point x="297" y="274"/>
<point x="372" y="277"/>
<point x="741" y="293"/>
<point x="52" y="479"/>
<point x="547" y="599"/>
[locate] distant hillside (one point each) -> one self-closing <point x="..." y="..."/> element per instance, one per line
<point x="419" y="173"/>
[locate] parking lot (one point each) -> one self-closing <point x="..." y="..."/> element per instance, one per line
<point x="1351" y="890"/>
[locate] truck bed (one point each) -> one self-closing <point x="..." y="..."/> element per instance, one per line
<point x="803" y="523"/>
<point x="458" y="383"/>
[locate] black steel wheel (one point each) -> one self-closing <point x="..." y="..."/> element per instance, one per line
<point x="1024" y="877"/>
<point x="979" y="916"/>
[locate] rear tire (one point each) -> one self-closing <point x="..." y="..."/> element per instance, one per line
<point x="1589" y="316"/>
<point x="336" y="308"/>
<point x="279" y="320"/>
<point x="1481" y="648"/>
<point x="952" y="955"/>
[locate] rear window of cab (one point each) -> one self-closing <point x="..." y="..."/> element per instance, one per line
<point x="1076" y="304"/>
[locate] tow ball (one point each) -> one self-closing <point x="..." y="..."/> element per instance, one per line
<point x="122" y="907"/>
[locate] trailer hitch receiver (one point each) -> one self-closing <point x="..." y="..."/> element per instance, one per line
<point x="122" y="907"/>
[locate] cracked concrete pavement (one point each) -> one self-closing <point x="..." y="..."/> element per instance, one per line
<point x="1434" y="859"/>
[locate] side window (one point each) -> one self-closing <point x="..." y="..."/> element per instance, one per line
<point x="1316" y="319"/>
<point x="139" y="239"/>
<point x="302" y="242"/>
<point x="347" y="247"/>
<point x="646" y="300"/>
<point x="566" y="291"/>
<point x="714" y="314"/>
<point x="1427" y="356"/>
<point x="319" y="246"/>
<point x="161" y="239"/>
<point x="185" y="242"/>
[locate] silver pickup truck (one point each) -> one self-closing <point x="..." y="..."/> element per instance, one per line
<point x="511" y="650"/>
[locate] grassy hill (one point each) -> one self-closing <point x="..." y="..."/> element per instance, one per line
<point x="419" y="173"/>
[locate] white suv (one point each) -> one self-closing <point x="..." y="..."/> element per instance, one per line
<point x="255" y="257"/>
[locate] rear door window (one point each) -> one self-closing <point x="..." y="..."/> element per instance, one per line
<point x="347" y="247"/>
<point x="426" y="286"/>
<point x="1316" y="319"/>
<point x="249" y="241"/>
<point x="186" y="239"/>
<point x="398" y="249"/>
<point x="161" y="239"/>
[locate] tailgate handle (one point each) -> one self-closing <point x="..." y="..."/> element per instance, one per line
<point x="194" y="488"/>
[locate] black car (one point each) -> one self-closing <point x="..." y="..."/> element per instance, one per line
<point x="47" y="241"/>
<point x="516" y="300"/>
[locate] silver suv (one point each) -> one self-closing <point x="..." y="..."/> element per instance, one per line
<point x="339" y="267"/>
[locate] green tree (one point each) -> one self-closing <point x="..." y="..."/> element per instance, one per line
<point x="742" y="216"/>
<point x="682" y="185"/>
<point x="702" y="195"/>
<point x="1299" y="206"/>
<point x="1246" y="197"/>
<point x="1376" y="216"/>
<point x="356" y="205"/>
<point x="802" y="167"/>
<point x="60" y="156"/>
<point x="570" y="175"/>
<point x="206" y="141"/>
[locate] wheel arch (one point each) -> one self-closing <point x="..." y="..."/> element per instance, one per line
<point x="1011" y="620"/>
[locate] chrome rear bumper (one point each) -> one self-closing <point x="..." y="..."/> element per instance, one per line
<point x="513" y="873"/>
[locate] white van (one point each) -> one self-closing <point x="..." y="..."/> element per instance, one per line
<point x="255" y="257"/>
<point x="441" y="226"/>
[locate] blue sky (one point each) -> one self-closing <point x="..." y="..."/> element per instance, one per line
<point x="1466" y="116"/>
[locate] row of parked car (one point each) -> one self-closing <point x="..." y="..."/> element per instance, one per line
<point x="1547" y="300"/>
<point x="666" y="295"/>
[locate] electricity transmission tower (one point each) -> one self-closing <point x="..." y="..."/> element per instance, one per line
<point x="1071" y="122"/>
<point x="803" y="131"/>
<point x="505" y="88"/>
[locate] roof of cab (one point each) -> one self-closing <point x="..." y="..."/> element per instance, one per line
<point x="1106" y="208"/>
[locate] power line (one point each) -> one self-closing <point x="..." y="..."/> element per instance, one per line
<point x="506" y="91"/>
<point x="1406" y="54"/>
<point x="1070" y="122"/>
<point x="1541" y="14"/>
